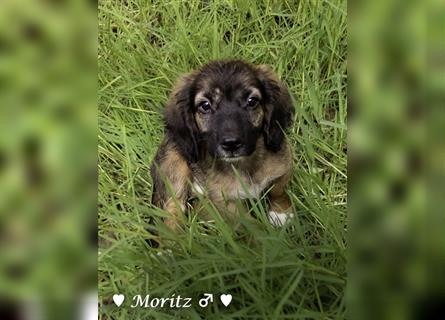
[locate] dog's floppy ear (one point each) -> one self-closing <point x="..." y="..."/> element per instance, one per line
<point x="279" y="110"/>
<point x="180" y="122"/>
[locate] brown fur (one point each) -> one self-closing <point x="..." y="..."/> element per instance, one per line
<point x="183" y="167"/>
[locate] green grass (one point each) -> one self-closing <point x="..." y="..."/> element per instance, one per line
<point x="287" y="273"/>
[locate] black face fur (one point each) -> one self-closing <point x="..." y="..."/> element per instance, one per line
<point x="223" y="109"/>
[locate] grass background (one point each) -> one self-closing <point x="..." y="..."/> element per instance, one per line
<point x="294" y="272"/>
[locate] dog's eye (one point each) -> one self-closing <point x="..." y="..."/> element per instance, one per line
<point x="204" y="107"/>
<point x="252" y="102"/>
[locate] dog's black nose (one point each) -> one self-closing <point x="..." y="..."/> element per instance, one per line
<point x="230" y="144"/>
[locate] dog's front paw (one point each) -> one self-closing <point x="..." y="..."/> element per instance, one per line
<point x="278" y="219"/>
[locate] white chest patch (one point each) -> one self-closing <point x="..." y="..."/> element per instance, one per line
<point x="232" y="189"/>
<point x="278" y="219"/>
<point x="248" y="190"/>
<point x="197" y="188"/>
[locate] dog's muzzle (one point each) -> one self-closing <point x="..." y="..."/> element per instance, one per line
<point x="231" y="145"/>
<point x="231" y="149"/>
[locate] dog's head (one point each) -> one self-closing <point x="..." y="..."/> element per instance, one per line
<point x="224" y="108"/>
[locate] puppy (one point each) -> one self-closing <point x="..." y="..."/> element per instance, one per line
<point x="225" y="139"/>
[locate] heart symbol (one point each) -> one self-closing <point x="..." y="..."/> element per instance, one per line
<point x="226" y="299"/>
<point x="118" y="299"/>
